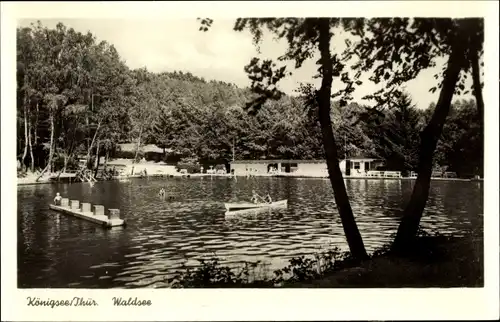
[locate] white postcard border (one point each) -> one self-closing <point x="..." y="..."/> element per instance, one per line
<point x="273" y="304"/>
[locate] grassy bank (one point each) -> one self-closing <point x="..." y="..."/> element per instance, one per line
<point x="435" y="261"/>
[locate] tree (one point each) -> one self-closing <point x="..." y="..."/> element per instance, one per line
<point x="24" y="43"/>
<point x="145" y="107"/>
<point x="29" y="55"/>
<point x="72" y="132"/>
<point x="110" y="83"/>
<point x="461" y="145"/>
<point x="304" y="36"/>
<point x="397" y="50"/>
<point x="395" y="134"/>
<point x="61" y="73"/>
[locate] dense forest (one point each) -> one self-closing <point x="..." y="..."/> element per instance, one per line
<point x="76" y="97"/>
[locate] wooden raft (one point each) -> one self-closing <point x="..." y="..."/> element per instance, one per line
<point x="83" y="211"/>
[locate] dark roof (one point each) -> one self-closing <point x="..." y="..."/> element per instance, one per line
<point x="130" y="147"/>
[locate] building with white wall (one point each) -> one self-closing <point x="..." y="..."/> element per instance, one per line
<point x="311" y="168"/>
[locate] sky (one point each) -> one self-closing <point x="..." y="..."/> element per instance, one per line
<point x="219" y="54"/>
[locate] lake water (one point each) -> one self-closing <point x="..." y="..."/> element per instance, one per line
<point x="55" y="250"/>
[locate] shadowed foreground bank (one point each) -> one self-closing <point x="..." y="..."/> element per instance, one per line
<point x="437" y="261"/>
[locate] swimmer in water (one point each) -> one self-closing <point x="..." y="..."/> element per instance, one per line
<point x="161" y="193"/>
<point x="57" y="199"/>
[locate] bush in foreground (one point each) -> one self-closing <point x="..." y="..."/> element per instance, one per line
<point x="435" y="261"/>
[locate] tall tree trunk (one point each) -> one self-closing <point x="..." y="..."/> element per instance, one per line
<point x="106" y="159"/>
<point x="351" y="231"/>
<point x="92" y="143"/>
<point x="35" y="126"/>
<point x="25" y="136"/>
<point x="51" y="151"/>
<point x="410" y="222"/>
<point x="32" y="165"/>
<point x="478" y="92"/>
<point x="138" y="144"/>
<point x="65" y="165"/>
<point x="35" y="131"/>
<point x="96" y="163"/>
<point x="96" y="168"/>
<point x="87" y="122"/>
<point x="67" y="156"/>
<point x="70" y="150"/>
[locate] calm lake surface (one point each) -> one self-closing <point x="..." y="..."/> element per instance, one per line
<point x="55" y="250"/>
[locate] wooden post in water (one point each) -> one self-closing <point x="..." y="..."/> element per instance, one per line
<point x="98" y="210"/>
<point x="114" y="214"/>
<point x="75" y="204"/>
<point x="85" y="207"/>
<point x="65" y="202"/>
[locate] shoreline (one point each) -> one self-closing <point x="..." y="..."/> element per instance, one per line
<point x="201" y="175"/>
<point x="444" y="261"/>
<point x="433" y="261"/>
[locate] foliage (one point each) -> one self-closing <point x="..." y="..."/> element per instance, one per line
<point x="204" y="120"/>
<point x="211" y="274"/>
<point x="190" y="167"/>
<point x="461" y="146"/>
<point x="301" y="269"/>
<point x="395" y="134"/>
<point x="127" y="155"/>
<point x="395" y="51"/>
<point x="153" y="156"/>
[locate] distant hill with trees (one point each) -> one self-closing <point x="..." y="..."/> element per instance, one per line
<point x="76" y="96"/>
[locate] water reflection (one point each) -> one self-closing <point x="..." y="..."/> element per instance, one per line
<point x="189" y="224"/>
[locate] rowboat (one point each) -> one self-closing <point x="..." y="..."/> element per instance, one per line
<point x="250" y="206"/>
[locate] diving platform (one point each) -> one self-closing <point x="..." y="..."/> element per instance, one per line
<point x="83" y="211"/>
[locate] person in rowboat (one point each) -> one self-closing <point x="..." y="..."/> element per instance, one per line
<point x="256" y="198"/>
